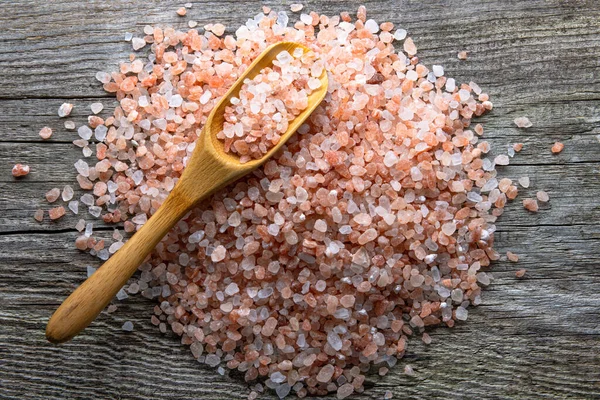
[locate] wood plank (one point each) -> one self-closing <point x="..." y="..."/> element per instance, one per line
<point x="531" y="338"/>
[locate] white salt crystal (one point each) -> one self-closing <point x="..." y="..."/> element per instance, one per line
<point x="96" y="107"/>
<point x="284" y="57"/>
<point x="464" y="94"/>
<point x="524" y="181"/>
<point x="95" y="211"/>
<point x="127" y="326"/>
<point x="128" y="36"/>
<point x="232" y="289"/>
<point x="334" y="341"/>
<point x="306" y="19"/>
<point x="438" y="70"/>
<point x="160" y="123"/>
<point x="100" y="132"/>
<point x="87" y="199"/>
<point x="115" y="247"/>
<point x="314" y="83"/>
<point x="450" y="85"/>
<point x="461" y="314"/>
<point x="296" y="7"/>
<point x="175" y="101"/>
<point x="523" y="122"/>
<point x="372" y="26"/>
<point x="90" y="270"/>
<point x="67" y="193"/>
<point x="502" y="159"/>
<point x="121" y="295"/>
<point x="390" y="159"/>
<point x="400" y="34"/>
<point x="103" y="77"/>
<point x="205" y="97"/>
<point x="277" y="377"/>
<point x="84" y="132"/>
<point x="137" y="177"/>
<point x="192" y="24"/>
<point x="218" y="254"/>
<point x="138" y="43"/>
<point x="87" y="151"/>
<point x="88" y="229"/>
<point x="69" y="125"/>
<point x="140" y="219"/>
<point x="74" y="206"/>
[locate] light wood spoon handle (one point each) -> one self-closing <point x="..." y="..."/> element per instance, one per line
<point x="89" y="299"/>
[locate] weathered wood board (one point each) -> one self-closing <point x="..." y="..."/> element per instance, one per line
<point x="538" y="337"/>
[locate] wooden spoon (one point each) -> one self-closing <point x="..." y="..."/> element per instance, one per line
<point x="208" y="170"/>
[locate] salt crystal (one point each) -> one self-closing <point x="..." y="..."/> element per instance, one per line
<point x="334" y="341"/>
<point x="121" y="295"/>
<point x="438" y="70"/>
<point x="100" y="132"/>
<point x="84" y="132"/>
<point x="524" y="181"/>
<point x="400" y="34"/>
<point x="19" y="170"/>
<point x="65" y="109"/>
<point x="74" y="206"/>
<point x="127" y="326"/>
<point x="461" y="314"/>
<point x="542" y="196"/>
<point x="502" y="159"/>
<point x="45" y="133"/>
<point x="96" y="107"/>
<point x="345" y="390"/>
<point x="306" y="19"/>
<point x="372" y="26"/>
<point x="218" y="254"/>
<point x="523" y="122"/>
<point x="70" y="125"/>
<point x="296" y="7"/>
<point x="137" y="43"/>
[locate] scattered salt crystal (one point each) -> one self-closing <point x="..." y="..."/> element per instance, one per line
<point x="523" y="122"/>
<point x="90" y="270"/>
<point x="512" y="256"/>
<point x="306" y="19"/>
<point x="19" y="170"/>
<point x="400" y="34"/>
<point x="122" y="295"/>
<point x="65" y="109"/>
<point x="524" y="181"/>
<point x="296" y="7"/>
<point x="531" y="205"/>
<point x="462" y="55"/>
<point x="70" y="125"/>
<point x="502" y="159"/>
<point x="96" y="107"/>
<point x="345" y="390"/>
<point x="192" y="24"/>
<point x="45" y="133"/>
<point x="128" y="36"/>
<point x="520" y="273"/>
<point x="461" y="313"/>
<point x="127" y="326"/>
<point x="557" y="147"/>
<point x="542" y="196"/>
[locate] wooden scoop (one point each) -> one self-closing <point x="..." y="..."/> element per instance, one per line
<point x="208" y="170"/>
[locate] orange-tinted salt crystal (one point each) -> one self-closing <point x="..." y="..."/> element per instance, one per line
<point x="52" y="195"/>
<point x="45" y="133"/>
<point x="462" y="55"/>
<point x="181" y="11"/>
<point x="530" y="204"/>
<point x="20" y="170"/>
<point x="520" y="273"/>
<point x="38" y="215"/>
<point x="518" y="147"/>
<point x="557" y="147"/>
<point x="512" y="256"/>
<point x="56" y="212"/>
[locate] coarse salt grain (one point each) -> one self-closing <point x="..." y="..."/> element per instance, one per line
<point x="523" y="122"/>
<point x="557" y="147"/>
<point x="296" y="7"/>
<point x="284" y="240"/>
<point x="19" y="170"/>
<point x="65" y="109"/>
<point x="45" y="133"/>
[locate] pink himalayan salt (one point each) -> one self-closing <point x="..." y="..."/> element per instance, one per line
<point x="20" y="170"/>
<point x="38" y="215"/>
<point x="462" y="55"/>
<point x="542" y="196"/>
<point x="520" y="273"/>
<point x="52" y="195"/>
<point x="512" y="256"/>
<point x="181" y="11"/>
<point x="523" y="122"/>
<point x="45" y="132"/>
<point x="557" y="147"/>
<point x="531" y="205"/>
<point x="518" y="147"/>
<point x="56" y="212"/>
<point x="329" y="172"/>
<point x="266" y="104"/>
<point x="65" y="109"/>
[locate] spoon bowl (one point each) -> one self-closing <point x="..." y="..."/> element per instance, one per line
<point x="209" y="169"/>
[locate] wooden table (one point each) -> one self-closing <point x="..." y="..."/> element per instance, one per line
<point x="538" y="337"/>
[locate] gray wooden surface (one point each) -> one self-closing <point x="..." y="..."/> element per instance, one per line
<point x="538" y="337"/>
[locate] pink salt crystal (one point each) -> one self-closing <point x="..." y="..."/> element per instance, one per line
<point x="218" y="254"/>
<point x="462" y="55"/>
<point x="45" y="133"/>
<point x="181" y="11"/>
<point x="409" y="47"/>
<point x="52" y="195"/>
<point x="512" y="256"/>
<point x="296" y="7"/>
<point x="65" y="109"/>
<point x="56" y="212"/>
<point x="426" y="338"/>
<point x="39" y="215"/>
<point x="557" y="147"/>
<point x="523" y="122"/>
<point x="531" y="205"/>
<point x="20" y="170"/>
<point x="520" y="273"/>
<point x="408" y="370"/>
<point x="518" y="147"/>
<point x="542" y="196"/>
<point x="326" y="373"/>
<point x="218" y="29"/>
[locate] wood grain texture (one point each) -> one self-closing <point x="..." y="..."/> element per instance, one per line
<point x="538" y="337"/>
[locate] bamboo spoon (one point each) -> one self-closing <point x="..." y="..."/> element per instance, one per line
<point x="208" y="170"/>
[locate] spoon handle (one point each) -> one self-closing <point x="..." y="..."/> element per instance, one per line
<point x="89" y="299"/>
